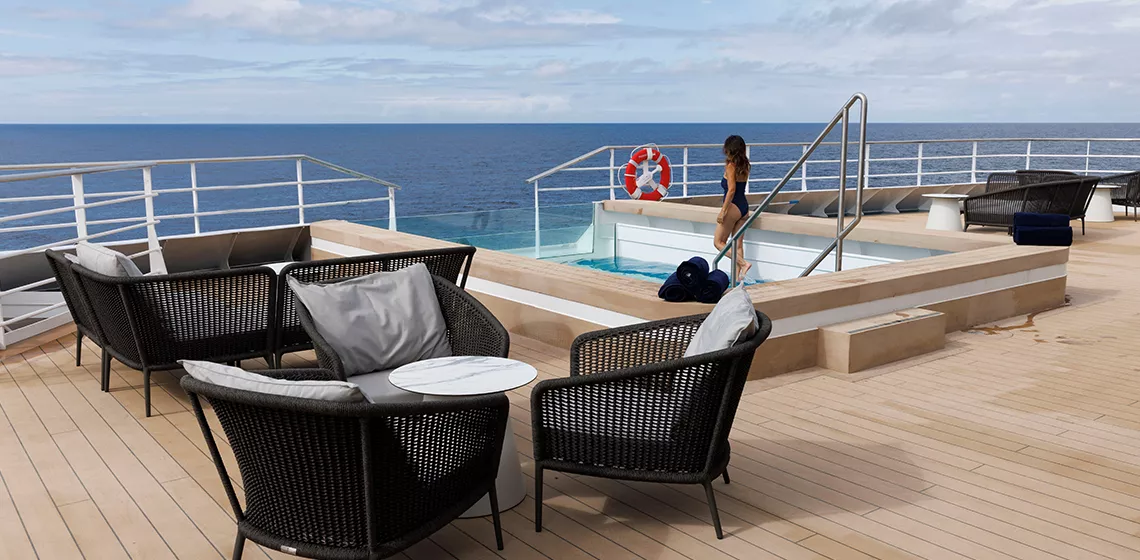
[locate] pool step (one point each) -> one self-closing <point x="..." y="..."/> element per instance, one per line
<point x="865" y="343"/>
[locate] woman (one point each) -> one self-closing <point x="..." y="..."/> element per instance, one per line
<point x="734" y="210"/>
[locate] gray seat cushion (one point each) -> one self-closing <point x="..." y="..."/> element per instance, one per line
<point x="380" y="321"/>
<point x="378" y="389"/>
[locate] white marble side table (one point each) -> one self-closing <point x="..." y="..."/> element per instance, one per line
<point x="461" y="376"/>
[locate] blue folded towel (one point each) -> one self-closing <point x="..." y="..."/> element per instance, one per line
<point x="673" y="291"/>
<point x="1044" y="236"/>
<point x="713" y="288"/>
<point x="693" y="273"/>
<point x="1030" y="219"/>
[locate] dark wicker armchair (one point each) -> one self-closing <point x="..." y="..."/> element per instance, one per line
<point x="77" y="304"/>
<point x="634" y="409"/>
<point x="351" y="480"/>
<point x="1127" y="191"/>
<point x="1069" y="196"/>
<point x="151" y="322"/>
<point x="1024" y="177"/>
<point x="471" y="329"/>
<point x="452" y="263"/>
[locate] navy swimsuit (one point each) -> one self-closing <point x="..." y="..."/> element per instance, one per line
<point x="738" y="197"/>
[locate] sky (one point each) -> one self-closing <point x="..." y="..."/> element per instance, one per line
<point x="290" y="61"/>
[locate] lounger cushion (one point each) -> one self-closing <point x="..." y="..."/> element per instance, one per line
<point x="105" y="261"/>
<point x="237" y="378"/>
<point x="732" y="320"/>
<point x="380" y="321"/>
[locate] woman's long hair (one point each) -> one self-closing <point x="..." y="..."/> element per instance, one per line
<point x="736" y="153"/>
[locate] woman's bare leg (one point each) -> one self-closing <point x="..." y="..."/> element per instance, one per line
<point x="724" y="229"/>
<point x="742" y="265"/>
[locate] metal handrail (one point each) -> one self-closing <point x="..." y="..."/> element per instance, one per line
<point x="841" y="232"/>
<point x="71" y="169"/>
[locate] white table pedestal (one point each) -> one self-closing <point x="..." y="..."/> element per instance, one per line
<point x="1100" y="207"/>
<point x="945" y="213"/>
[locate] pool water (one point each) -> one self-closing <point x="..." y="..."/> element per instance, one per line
<point x="635" y="268"/>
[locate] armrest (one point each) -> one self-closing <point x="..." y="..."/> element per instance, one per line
<point x="632" y="346"/>
<point x="308" y="374"/>
<point x="471" y="329"/>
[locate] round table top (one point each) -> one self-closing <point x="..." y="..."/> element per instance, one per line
<point x="945" y="195"/>
<point x="457" y="376"/>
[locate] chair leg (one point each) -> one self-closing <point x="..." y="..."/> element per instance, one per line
<point x="277" y="359"/>
<point x="146" y="390"/>
<point x="494" y="495"/>
<point x="105" y="372"/>
<point x="239" y="546"/>
<point x="1082" y="226"/>
<point x="725" y="475"/>
<point x="712" y="509"/>
<point x="538" y="499"/>
<point x="78" y="348"/>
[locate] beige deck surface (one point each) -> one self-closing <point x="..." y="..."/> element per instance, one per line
<point x="1021" y="441"/>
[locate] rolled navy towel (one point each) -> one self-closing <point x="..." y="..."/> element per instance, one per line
<point x="693" y="273"/>
<point x="1030" y="219"/>
<point x="713" y="288"/>
<point x="1043" y="236"/>
<point x="673" y="291"/>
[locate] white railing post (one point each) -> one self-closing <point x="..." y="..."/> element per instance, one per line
<point x="80" y="212"/>
<point x="919" y="179"/>
<point x="685" y="173"/>
<point x="392" y="209"/>
<point x="194" y="197"/>
<point x="974" y="164"/>
<point x="156" y="262"/>
<point x="867" y="164"/>
<point x="747" y="154"/>
<point x="803" y="172"/>
<point x="612" y="171"/>
<point x="1088" y="152"/>
<point x="301" y="194"/>
<point x="537" y="231"/>
<point x="1028" y="152"/>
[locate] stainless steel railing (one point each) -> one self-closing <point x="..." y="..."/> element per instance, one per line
<point x="841" y="231"/>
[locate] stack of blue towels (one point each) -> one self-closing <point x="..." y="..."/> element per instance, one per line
<point x="693" y="281"/>
<point x="1042" y="229"/>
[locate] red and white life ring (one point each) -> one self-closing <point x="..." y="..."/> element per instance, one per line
<point x="634" y="182"/>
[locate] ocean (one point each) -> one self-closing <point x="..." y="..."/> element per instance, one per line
<point x="443" y="169"/>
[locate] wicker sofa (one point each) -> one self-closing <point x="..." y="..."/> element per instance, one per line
<point x="1024" y="177"/>
<point x="633" y="408"/>
<point x="351" y="480"/>
<point x="1069" y="196"/>
<point x="151" y="322"/>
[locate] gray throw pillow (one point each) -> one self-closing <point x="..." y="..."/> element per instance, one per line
<point x="732" y="320"/>
<point x="237" y="378"/>
<point x="107" y="262"/>
<point x="380" y="321"/>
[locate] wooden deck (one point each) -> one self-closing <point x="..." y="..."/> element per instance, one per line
<point x="1017" y="441"/>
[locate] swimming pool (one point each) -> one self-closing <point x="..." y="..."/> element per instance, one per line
<point x="635" y="268"/>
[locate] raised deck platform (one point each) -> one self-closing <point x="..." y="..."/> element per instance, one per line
<point x="1018" y="440"/>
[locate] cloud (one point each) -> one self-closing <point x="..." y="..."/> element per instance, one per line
<point x="436" y="23"/>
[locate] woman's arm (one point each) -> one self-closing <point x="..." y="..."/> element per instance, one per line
<point x="730" y="175"/>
